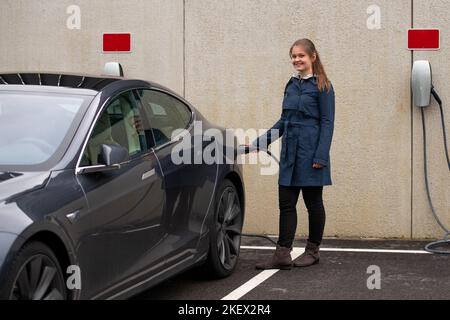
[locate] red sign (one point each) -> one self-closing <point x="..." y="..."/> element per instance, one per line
<point x="116" y="42"/>
<point x="423" y="39"/>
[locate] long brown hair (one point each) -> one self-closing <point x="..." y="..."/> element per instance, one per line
<point x="322" y="80"/>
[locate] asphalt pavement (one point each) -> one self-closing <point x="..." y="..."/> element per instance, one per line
<point x="348" y="269"/>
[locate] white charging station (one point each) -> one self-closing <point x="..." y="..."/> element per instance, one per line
<point x="423" y="89"/>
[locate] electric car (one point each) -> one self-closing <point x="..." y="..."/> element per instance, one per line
<point x="92" y="203"/>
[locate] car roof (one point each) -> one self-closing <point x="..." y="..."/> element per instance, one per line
<point x="80" y="81"/>
<point x="71" y="83"/>
<point x="67" y="80"/>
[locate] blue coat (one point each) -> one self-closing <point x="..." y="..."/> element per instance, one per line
<point x="306" y="125"/>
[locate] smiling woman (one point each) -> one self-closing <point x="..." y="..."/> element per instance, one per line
<point x="306" y="124"/>
<point x="31" y="138"/>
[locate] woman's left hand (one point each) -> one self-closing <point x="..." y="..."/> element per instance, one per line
<point x="317" y="166"/>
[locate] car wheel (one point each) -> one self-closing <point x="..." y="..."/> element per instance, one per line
<point x="35" y="274"/>
<point x="225" y="235"/>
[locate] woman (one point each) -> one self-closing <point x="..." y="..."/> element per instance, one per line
<point x="306" y="124"/>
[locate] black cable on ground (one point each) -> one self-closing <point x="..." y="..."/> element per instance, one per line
<point x="246" y="150"/>
<point x="432" y="247"/>
<point x="259" y="236"/>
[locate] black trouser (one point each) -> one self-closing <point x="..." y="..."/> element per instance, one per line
<point x="288" y="197"/>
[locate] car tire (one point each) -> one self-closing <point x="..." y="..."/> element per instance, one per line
<point x="225" y="232"/>
<point x="35" y="274"/>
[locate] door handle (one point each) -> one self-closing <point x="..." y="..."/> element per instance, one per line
<point x="148" y="174"/>
<point x="73" y="216"/>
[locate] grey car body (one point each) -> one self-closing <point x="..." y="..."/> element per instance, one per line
<point x="127" y="229"/>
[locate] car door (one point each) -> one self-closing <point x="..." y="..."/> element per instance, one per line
<point x="123" y="225"/>
<point x="188" y="186"/>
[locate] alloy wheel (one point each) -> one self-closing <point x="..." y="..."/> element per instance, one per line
<point x="228" y="228"/>
<point x="39" y="278"/>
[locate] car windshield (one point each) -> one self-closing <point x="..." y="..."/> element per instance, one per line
<point x="35" y="127"/>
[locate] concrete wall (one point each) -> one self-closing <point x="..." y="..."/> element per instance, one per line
<point x="230" y="59"/>
<point x="34" y="36"/>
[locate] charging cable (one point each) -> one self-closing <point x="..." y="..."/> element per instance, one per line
<point x="433" y="246"/>
<point x="245" y="149"/>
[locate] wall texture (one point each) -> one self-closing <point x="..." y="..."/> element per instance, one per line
<point x="34" y="36"/>
<point x="230" y="59"/>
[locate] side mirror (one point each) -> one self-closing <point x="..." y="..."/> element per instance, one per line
<point x="111" y="155"/>
<point x="422" y="83"/>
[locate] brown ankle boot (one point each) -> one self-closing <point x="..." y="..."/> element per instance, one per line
<point x="309" y="257"/>
<point x="281" y="259"/>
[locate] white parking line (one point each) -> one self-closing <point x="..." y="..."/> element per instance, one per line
<point x="348" y="250"/>
<point x="296" y="252"/>
<point x="258" y="279"/>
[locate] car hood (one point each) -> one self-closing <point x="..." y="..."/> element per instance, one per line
<point x="16" y="183"/>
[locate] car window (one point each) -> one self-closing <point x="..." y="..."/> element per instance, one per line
<point x="119" y="124"/>
<point x="36" y="128"/>
<point x="164" y="113"/>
